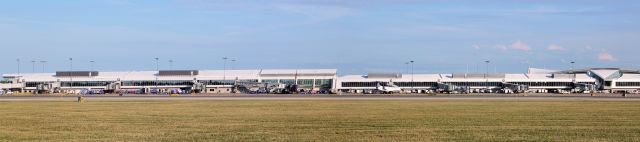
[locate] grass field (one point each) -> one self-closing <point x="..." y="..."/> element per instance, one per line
<point x="321" y="121"/>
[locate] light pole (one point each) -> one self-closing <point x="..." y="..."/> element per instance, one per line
<point x="486" y="75"/>
<point x="412" y="72"/>
<point x="467" y="72"/>
<point x="573" y="70"/>
<point x="33" y="66"/>
<point x="158" y="73"/>
<point x="91" y="64"/>
<point x="43" y="63"/>
<point x="224" y="71"/>
<point x="407" y="66"/>
<point x="170" y="64"/>
<point x="573" y="79"/>
<point x="71" y="74"/>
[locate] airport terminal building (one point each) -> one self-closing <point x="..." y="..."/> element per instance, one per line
<point x="605" y="80"/>
<point x="168" y="81"/>
<point x="535" y="81"/>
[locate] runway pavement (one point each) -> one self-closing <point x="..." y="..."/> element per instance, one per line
<point x="337" y="98"/>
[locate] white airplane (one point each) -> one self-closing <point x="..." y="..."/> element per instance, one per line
<point x="388" y="89"/>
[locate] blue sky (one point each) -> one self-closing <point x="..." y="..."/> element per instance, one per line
<point x="355" y="36"/>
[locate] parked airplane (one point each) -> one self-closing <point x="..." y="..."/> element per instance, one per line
<point x="388" y="88"/>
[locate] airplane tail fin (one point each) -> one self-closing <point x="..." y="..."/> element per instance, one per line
<point x="379" y="85"/>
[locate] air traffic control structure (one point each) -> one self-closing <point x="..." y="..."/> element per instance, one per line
<point x="603" y="80"/>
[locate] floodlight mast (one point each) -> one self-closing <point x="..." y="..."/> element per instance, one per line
<point x="71" y="75"/>
<point x="486" y="75"/>
<point x="412" y="74"/>
<point x="43" y="64"/>
<point x="224" y="71"/>
<point x="158" y="70"/>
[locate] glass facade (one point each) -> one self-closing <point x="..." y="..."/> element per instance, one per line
<point x="5" y="80"/>
<point x="33" y="84"/>
<point x="560" y="84"/>
<point x="637" y="84"/>
<point x="475" y="83"/>
<point x="287" y="81"/>
<point x="84" y="83"/>
<point x="362" y="84"/>
<point x="159" y="83"/>
<point x="470" y="84"/>
<point x="248" y="80"/>
<point x="587" y="83"/>
<point x="270" y="81"/>
<point x="416" y="84"/>
<point x="175" y="82"/>
<point x="321" y="82"/>
<point x="217" y="82"/>
<point x="305" y="82"/>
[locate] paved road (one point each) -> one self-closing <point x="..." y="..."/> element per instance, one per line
<point x="222" y="98"/>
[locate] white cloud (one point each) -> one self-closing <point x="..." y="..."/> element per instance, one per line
<point x="556" y="47"/>
<point x="475" y="46"/>
<point x="605" y="56"/>
<point x="519" y="45"/>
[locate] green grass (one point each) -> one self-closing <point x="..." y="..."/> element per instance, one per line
<point x="321" y="121"/>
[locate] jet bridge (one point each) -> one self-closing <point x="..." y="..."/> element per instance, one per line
<point x="584" y="87"/>
<point x="450" y="88"/>
<point x="515" y="88"/>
